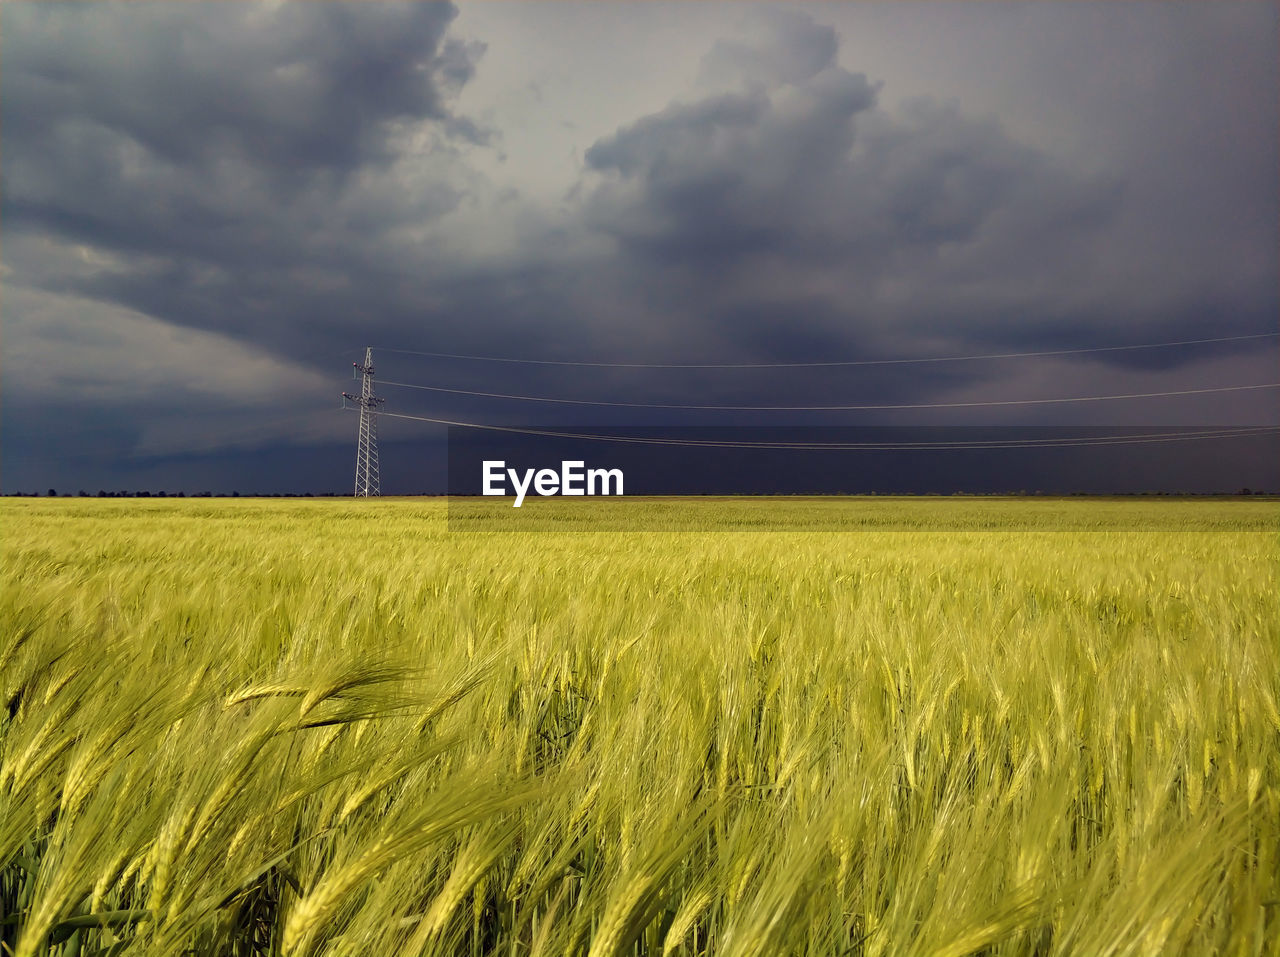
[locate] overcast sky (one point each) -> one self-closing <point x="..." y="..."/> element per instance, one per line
<point x="209" y="210"/>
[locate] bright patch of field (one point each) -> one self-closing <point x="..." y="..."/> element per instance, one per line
<point x="325" y="727"/>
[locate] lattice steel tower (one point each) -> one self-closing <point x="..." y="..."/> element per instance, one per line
<point x="367" y="482"/>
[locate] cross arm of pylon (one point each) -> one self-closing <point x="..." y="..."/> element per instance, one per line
<point x="368" y="402"/>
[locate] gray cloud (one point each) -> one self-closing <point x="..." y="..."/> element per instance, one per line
<point x="297" y="179"/>
<point x="295" y="85"/>
<point x="229" y="135"/>
<point x="798" y="186"/>
<point x="233" y="163"/>
<point x="783" y="47"/>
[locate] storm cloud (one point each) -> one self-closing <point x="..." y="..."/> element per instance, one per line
<point x="805" y="191"/>
<point x="206" y="208"/>
<point x="195" y="147"/>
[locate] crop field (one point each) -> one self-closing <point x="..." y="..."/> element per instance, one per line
<point x="305" y="727"/>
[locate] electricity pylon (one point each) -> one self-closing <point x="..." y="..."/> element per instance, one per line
<point x="367" y="482"/>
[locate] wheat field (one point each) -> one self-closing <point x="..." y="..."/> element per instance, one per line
<point x="296" y="727"/>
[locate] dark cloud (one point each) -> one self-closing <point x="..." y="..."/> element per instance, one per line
<point x="300" y="86"/>
<point x="237" y="162"/>
<point x="241" y="135"/>
<point x="810" y="185"/>
<point x="295" y="179"/>
<point x="799" y="211"/>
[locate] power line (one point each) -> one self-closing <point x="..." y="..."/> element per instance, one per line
<point x="812" y="365"/>
<point x="827" y="408"/>
<point x="864" y="446"/>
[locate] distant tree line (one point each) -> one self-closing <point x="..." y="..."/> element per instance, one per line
<point x="125" y="493"/>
